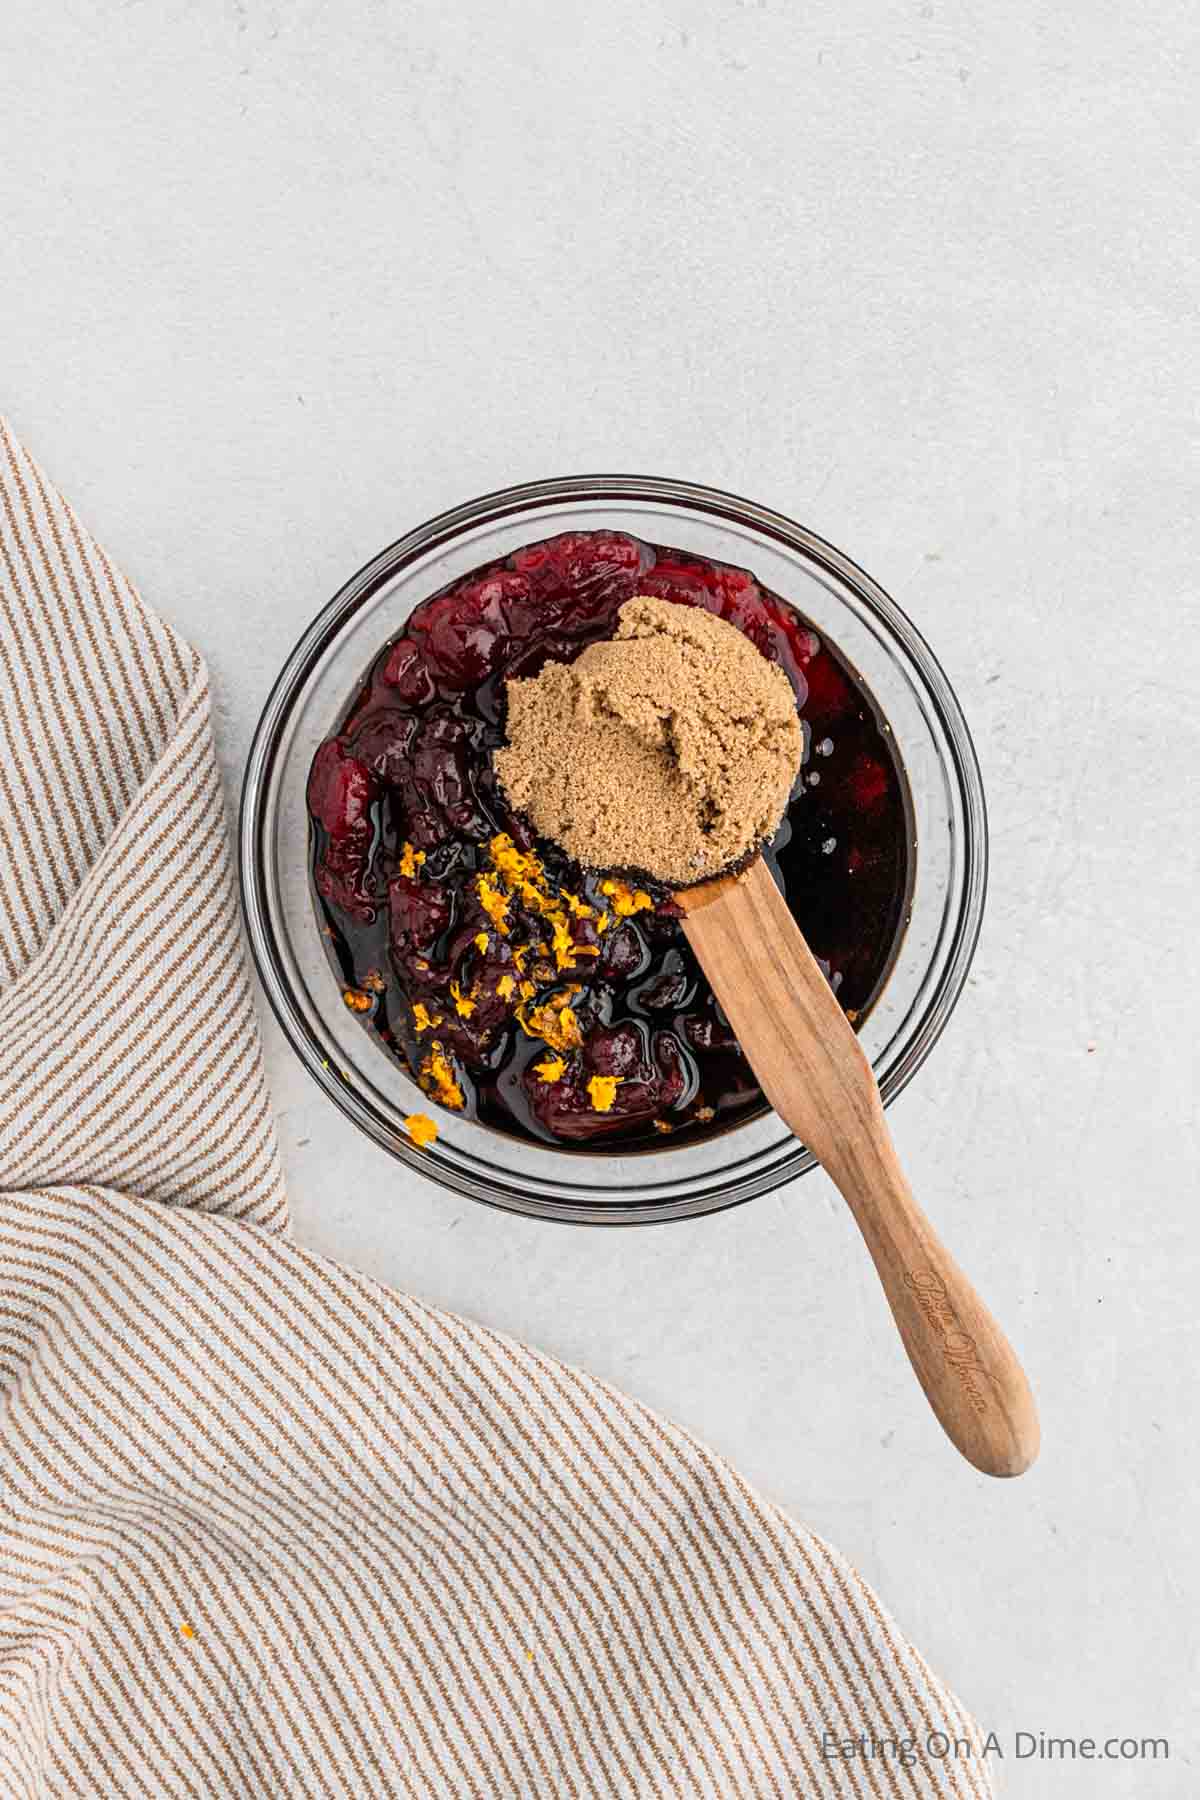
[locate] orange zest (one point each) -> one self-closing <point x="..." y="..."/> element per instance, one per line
<point x="421" y="1129"/>
<point x="410" y="861"/>
<point x="519" y="875"/>
<point x="438" y="1080"/>
<point x="626" y="900"/>
<point x="555" y="1024"/>
<point x="494" y="902"/>
<point x="602" y="1091"/>
<point x="463" y="1003"/>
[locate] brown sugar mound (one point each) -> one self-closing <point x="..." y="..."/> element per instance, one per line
<point x="670" y="748"/>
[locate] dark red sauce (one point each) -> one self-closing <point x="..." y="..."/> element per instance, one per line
<point x="406" y="814"/>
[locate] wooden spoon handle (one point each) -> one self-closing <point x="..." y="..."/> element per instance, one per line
<point x="813" y="1071"/>
<point x="968" y="1369"/>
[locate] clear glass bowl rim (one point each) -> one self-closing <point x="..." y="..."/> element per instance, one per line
<point x="528" y="496"/>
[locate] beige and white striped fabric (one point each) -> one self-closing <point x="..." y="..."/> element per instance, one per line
<point x="267" y="1528"/>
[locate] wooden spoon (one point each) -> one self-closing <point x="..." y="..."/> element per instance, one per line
<point x="812" y="1070"/>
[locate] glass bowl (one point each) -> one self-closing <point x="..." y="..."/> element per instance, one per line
<point x="325" y="668"/>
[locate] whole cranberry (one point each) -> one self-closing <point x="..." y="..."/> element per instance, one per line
<point x="578" y="557"/>
<point x="343" y="876"/>
<point x="616" y="1050"/>
<point x="407" y="671"/>
<point x="340" y="789"/>
<point x="667" y="992"/>
<point x="464" y="633"/>
<point x="673" y="1073"/>
<point x="383" y="740"/>
<point x="418" y="915"/>
<point x="424" y="826"/>
<point x="441" y="773"/>
<point x="580" y="572"/>
<point x="625" y="954"/>
<point x="686" y="583"/>
<point x="662" y="925"/>
<point x="742" y="605"/>
<point x="708" y="1029"/>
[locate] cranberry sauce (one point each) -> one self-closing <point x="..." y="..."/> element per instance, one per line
<point x="541" y="999"/>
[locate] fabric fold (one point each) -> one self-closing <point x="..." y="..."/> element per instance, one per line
<point x="267" y="1527"/>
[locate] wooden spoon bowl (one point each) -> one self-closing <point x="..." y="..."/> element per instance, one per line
<point x="812" y="1069"/>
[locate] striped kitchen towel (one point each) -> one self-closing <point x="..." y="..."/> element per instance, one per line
<point x="266" y="1527"/>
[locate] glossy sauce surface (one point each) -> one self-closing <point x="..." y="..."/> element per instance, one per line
<point x="543" y="1000"/>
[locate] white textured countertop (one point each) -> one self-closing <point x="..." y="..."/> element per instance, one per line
<point x="280" y="281"/>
